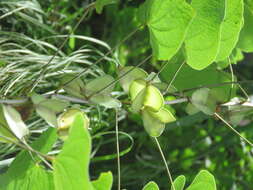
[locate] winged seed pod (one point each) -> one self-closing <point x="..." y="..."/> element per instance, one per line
<point x="66" y="119"/>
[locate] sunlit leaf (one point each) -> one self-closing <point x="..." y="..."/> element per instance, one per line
<point x="15" y="122"/>
<point x="71" y="166"/>
<point x="136" y="73"/>
<point x="151" y="186"/>
<point x="179" y="183"/>
<point x="203" y="37"/>
<point x="168" y="21"/>
<point x="203" y="180"/>
<point x="230" y="27"/>
<point x="104" y="182"/>
<point x="153" y="126"/>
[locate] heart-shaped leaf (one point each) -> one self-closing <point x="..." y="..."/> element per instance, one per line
<point x="104" y="182"/>
<point x="136" y="73"/>
<point x="168" y="21"/>
<point x="179" y="183"/>
<point x="151" y="186"/>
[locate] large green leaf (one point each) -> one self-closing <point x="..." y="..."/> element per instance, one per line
<point x="23" y="162"/>
<point x="246" y="37"/>
<point x="203" y="180"/>
<point x="151" y="186"/>
<point x="230" y="27"/>
<point x="190" y="78"/>
<point x="203" y="37"/>
<point x="168" y="21"/>
<point x="104" y="182"/>
<point x="71" y="166"/>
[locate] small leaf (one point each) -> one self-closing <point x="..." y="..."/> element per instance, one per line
<point x="99" y="5"/>
<point x="151" y="186"/>
<point x="163" y="115"/>
<point x="136" y="73"/>
<point x="14" y="121"/>
<point x="99" y="83"/>
<point x="73" y="88"/>
<point x="106" y="101"/>
<point x="135" y="88"/>
<point x="48" y="115"/>
<point x="168" y="21"/>
<point x="153" y="98"/>
<point x="203" y="100"/>
<point x="153" y="126"/>
<point x="71" y="166"/>
<point x="104" y="182"/>
<point x="230" y="27"/>
<point x="179" y="183"/>
<point x="203" y="37"/>
<point x="203" y="180"/>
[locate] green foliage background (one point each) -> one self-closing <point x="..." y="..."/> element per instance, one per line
<point x="190" y="144"/>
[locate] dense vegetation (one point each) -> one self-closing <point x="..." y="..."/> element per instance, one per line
<point x="114" y="94"/>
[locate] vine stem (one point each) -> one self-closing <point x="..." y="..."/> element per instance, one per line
<point x="165" y="163"/>
<point x="174" y="77"/>
<point x="234" y="130"/>
<point x="43" y="68"/>
<point x="99" y="60"/>
<point x="117" y="146"/>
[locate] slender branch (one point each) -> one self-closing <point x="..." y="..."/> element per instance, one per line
<point x="43" y="68"/>
<point x="165" y="163"/>
<point x="174" y="77"/>
<point x="117" y="146"/>
<point x="233" y="129"/>
<point x="99" y="60"/>
<point x="177" y="101"/>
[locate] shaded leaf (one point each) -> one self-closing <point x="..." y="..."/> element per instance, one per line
<point x="99" y="5"/>
<point x="106" y="101"/>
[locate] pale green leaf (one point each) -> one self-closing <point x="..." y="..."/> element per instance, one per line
<point x="151" y="186"/>
<point x="179" y="183"/>
<point x="153" y="126"/>
<point x="15" y="122"/>
<point x="203" y="180"/>
<point x="136" y="73"/>
<point x="104" y="182"/>
<point x="203" y="37"/>
<point x="203" y="100"/>
<point x="137" y="103"/>
<point x="106" y="101"/>
<point x="71" y="166"/>
<point x="98" y="84"/>
<point x="230" y="27"/>
<point x="168" y="21"/>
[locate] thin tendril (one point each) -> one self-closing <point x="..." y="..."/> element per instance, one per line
<point x="165" y="163"/>
<point x="234" y="130"/>
<point x="117" y="145"/>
